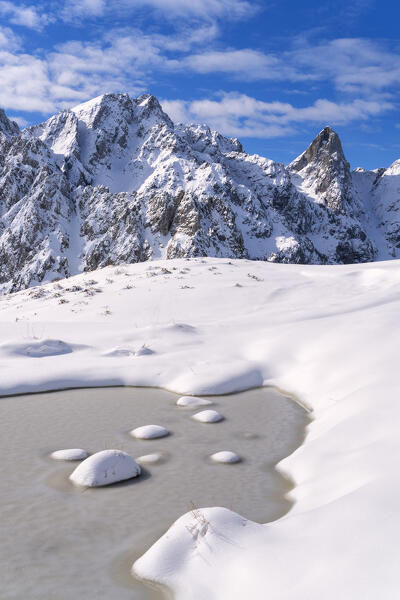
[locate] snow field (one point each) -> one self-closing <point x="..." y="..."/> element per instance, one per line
<point x="328" y="335"/>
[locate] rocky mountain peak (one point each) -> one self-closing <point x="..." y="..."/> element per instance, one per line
<point x="324" y="171"/>
<point x="113" y="180"/>
<point x="8" y="127"/>
<point x="148" y="111"/>
<point x="325" y="147"/>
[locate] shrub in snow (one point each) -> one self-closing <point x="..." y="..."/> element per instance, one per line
<point x="149" y="432"/>
<point x="225" y="456"/>
<point x="70" y="454"/>
<point x="208" y="416"/>
<point x="192" y="401"/>
<point x="144" y="351"/>
<point x="105" y="467"/>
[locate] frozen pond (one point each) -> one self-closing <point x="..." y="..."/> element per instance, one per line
<point x="59" y="542"/>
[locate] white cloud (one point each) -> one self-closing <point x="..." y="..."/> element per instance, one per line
<point x="243" y="116"/>
<point x="246" y="63"/>
<point x="128" y="60"/>
<point x="124" y="60"/>
<point x="8" y="39"/>
<point x="203" y="9"/>
<point x="351" y="65"/>
<point x="77" y="71"/>
<point x="24" y="15"/>
<point x="25" y="83"/>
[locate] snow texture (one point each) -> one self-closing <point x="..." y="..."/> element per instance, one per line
<point x="104" y="468"/>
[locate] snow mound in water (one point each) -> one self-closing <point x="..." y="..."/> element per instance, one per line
<point x="208" y="416"/>
<point x="104" y="468"/>
<point x="149" y="458"/>
<point x="39" y="349"/>
<point x="225" y="456"/>
<point x="149" y="432"/>
<point x="192" y="401"/>
<point x="70" y="454"/>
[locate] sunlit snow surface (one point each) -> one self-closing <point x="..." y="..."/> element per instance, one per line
<point x="327" y="334"/>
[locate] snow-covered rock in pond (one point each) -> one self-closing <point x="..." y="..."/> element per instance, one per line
<point x="208" y="416"/>
<point x="225" y="456"/>
<point x="192" y="401"/>
<point x="149" y="432"/>
<point x="70" y="454"/>
<point x="104" y="468"/>
<point x="149" y="458"/>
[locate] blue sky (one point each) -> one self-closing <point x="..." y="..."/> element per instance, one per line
<point x="272" y="73"/>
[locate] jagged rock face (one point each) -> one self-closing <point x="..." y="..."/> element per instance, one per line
<point x="325" y="172"/>
<point x="114" y="180"/>
<point x="36" y="210"/>
<point x="7" y="128"/>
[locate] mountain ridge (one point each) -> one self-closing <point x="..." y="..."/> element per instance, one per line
<point x="114" y="180"/>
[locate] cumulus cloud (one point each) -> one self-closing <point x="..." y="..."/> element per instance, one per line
<point x="244" y="116"/>
<point x="24" y="15"/>
<point x="129" y="60"/>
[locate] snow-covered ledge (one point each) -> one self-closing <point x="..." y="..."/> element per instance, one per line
<point x="327" y="334"/>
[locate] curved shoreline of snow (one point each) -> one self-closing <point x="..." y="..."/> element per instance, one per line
<point x="329" y="334"/>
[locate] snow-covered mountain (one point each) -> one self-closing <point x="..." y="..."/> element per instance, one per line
<point x="114" y="180"/>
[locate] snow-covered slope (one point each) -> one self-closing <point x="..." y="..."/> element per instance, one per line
<point x="327" y="334"/>
<point x="114" y="180"/>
